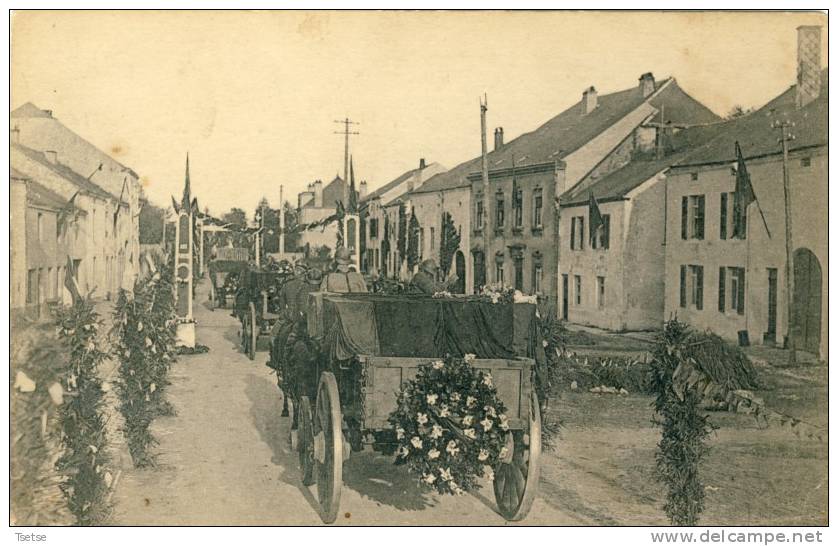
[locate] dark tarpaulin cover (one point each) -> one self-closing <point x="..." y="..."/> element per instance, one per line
<point x="428" y="327"/>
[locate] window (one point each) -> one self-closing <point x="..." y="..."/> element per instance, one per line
<point x="537" y="278"/>
<point x="696" y="288"/>
<point x="600" y="292"/>
<point x="433" y="238"/>
<point x="537" y="204"/>
<point x="692" y="217"/>
<point x="577" y="233"/>
<point x="603" y="233"/>
<point x="693" y="176"/>
<point x="479" y="215"/>
<point x="421" y="242"/>
<point x="499" y="212"/>
<point x="40" y="228"/>
<point x="724" y="215"/>
<point x="499" y="273"/>
<point x="518" y="208"/>
<point x="577" y="289"/>
<point x="732" y="289"/>
<point x="806" y="162"/>
<point x="373" y="228"/>
<point x="50" y="283"/>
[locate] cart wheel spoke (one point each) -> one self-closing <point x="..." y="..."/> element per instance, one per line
<point x="305" y="441"/>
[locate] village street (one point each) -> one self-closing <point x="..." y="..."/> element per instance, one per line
<point x="225" y="459"/>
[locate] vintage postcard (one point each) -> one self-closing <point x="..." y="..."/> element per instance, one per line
<point x="419" y="268"/>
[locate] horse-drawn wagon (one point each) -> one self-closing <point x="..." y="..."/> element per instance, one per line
<point x="258" y="307"/>
<point x="363" y="347"/>
<point x="224" y="278"/>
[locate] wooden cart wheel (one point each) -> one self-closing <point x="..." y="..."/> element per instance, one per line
<point x="516" y="478"/>
<point x="328" y="447"/>
<point x="305" y="441"/>
<point x="253" y="331"/>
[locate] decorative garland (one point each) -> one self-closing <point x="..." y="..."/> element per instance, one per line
<point x="85" y="460"/>
<point x="37" y="368"/>
<point x="684" y="428"/>
<point x="145" y="345"/>
<point x="450" y="425"/>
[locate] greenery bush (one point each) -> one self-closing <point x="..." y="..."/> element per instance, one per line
<point x="85" y="460"/>
<point x="684" y="428"/>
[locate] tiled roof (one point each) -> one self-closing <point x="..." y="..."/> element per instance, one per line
<point x="619" y="183"/>
<point x="29" y="110"/>
<point x="390" y="185"/>
<point x="42" y="196"/>
<point x="757" y="138"/>
<point x="571" y="130"/>
<point x="62" y="170"/>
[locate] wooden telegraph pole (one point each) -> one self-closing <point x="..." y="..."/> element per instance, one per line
<point x="785" y="136"/>
<point x="484" y="171"/>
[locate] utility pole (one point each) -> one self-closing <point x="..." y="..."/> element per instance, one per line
<point x="785" y="136"/>
<point x="346" y="132"/>
<point x="281" y="224"/>
<point x="484" y="170"/>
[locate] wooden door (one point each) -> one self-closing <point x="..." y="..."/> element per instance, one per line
<point x="806" y="301"/>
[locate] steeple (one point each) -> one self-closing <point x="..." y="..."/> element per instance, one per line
<point x="186" y="202"/>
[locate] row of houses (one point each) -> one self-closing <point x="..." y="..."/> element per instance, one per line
<point x="70" y="203"/>
<point x="661" y="168"/>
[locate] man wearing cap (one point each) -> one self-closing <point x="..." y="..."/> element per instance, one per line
<point x="343" y="279"/>
<point x="425" y="279"/>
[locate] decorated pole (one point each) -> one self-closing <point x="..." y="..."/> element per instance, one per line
<point x="199" y="225"/>
<point x="183" y="266"/>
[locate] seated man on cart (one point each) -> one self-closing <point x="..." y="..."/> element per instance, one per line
<point x="343" y="279"/>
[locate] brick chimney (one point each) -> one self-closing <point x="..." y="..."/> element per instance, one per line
<point x="422" y="163"/>
<point x="317" y="188"/>
<point x="589" y="100"/>
<point x="362" y="189"/>
<point x="498" y="138"/>
<point x="647" y="84"/>
<point x="808" y="64"/>
<point x="52" y="156"/>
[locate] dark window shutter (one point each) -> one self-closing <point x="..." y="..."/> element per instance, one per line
<point x="699" y="222"/>
<point x="684" y="216"/>
<point x="699" y="280"/>
<point x="683" y="286"/>
<point x="722" y="289"/>
<point x="573" y="233"/>
<point x="741" y="307"/>
<point x="606" y="231"/>
<point x="581" y="233"/>
<point x="723" y="216"/>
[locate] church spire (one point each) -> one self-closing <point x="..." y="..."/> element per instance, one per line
<point x="186" y="202"/>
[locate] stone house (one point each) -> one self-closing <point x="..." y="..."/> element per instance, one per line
<point x="737" y="285"/>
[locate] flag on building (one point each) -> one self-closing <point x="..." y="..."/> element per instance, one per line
<point x="742" y="197"/>
<point x="70" y="280"/>
<point x="595" y="219"/>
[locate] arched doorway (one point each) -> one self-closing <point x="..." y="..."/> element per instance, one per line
<point x="806" y="301"/>
<point x="460" y="271"/>
<point x="479" y="270"/>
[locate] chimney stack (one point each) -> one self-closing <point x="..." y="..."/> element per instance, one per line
<point x="52" y="156"/>
<point x="421" y="163"/>
<point x="589" y="100"/>
<point x="647" y="84"/>
<point x="317" y="187"/>
<point x="362" y="189"/>
<point x="498" y="138"/>
<point x="808" y="64"/>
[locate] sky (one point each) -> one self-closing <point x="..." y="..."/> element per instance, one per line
<point x="253" y="96"/>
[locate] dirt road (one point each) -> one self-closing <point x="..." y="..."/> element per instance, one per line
<point x="225" y="459"/>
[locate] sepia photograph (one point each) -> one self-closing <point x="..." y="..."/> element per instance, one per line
<point x="419" y="268"/>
